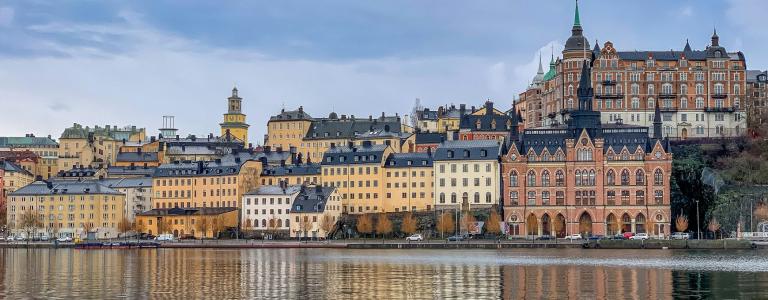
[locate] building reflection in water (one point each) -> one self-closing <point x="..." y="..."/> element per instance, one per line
<point x="316" y="273"/>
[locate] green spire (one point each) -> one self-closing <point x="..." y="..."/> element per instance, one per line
<point x="576" y="21"/>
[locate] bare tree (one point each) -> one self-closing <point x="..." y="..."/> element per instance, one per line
<point x="326" y="224"/>
<point x="29" y="222"/>
<point x="714" y="226"/>
<point x="468" y="223"/>
<point x="364" y="224"/>
<point x="383" y="225"/>
<point x="218" y="225"/>
<point x="124" y="226"/>
<point x="681" y="223"/>
<point x="445" y="223"/>
<point x="202" y="226"/>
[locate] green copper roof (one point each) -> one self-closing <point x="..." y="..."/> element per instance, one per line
<point x="26" y="141"/>
<point x="552" y="72"/>
<point x="576" y="21"/>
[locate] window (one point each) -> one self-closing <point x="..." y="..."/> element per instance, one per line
<point x="658" y="197"/>
<point x="578" y="177"/>
<point x="513" y="198"/>
<point x="513" y="178"/>
<point x="625" y="177"/>
<point x="611" y="198"/>
<point x="559" y="178"/>
<point x="545" y="178"/>
<point x="639" y="177"/>
<point x="699" y="102"/>
<point x="610" y="178"/>
<point x="658" y="177"/>
<point x="624" y="197"/>
<point x="559" y="198"/>
<point x="531" y="198"/>
<point x="531" y="181"/>
<point x="640" y="198"/>
<point x="545" y="198"/>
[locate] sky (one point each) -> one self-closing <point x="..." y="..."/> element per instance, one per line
<point x="131" y="62"/>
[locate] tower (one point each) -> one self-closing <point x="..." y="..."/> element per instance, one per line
<point x="169" y="127"/>
<point x="234" y="126"/>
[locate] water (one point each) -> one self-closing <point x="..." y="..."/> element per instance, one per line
<point x="382" y="274"/>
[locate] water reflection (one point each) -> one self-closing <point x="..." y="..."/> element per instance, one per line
<point x="387" y="274"/>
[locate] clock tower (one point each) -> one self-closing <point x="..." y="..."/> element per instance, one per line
<point x="234" y="125"/>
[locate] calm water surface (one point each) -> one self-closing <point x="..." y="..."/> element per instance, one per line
<point x="385" y="274"/>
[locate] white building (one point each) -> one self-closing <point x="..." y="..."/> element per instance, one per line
<point x="138" y="194"/>
<point x="268" y="207"/>
<point x="467" y="174"/>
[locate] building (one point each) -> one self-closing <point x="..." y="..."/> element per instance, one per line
<point x="306" y="174"/>
<point x="426" y="120"/>
<point x="141" y="154"/>
<point x="757" y="98"/>
<point x="234" y="120"/>
<point x="67" y="208"/>
<point x="426" y="141"/>
<point x="129" y="172"/>
<point x="288" y="129"/>
<point x="14" y="177"/>
<point x="315" y="212"/>
<point x="267" y="208"/>
<point x="45" y="148"/>
<point x="97" y="146"/>
<point x="701" y="92"/>
<point x="137" y="191"/>
<point x="199" y="222"/>
<point x="467" y="174"/>
<point x="218" y="183"/>
<point x="486" y="123"/>
<point x="449" y="117"/>
<point x="356" y="172"/>
<point x="587" y="176"/>
<point x="26" y="159"/>
<point x="193" y="148"/>
<point x="408" y="182"/>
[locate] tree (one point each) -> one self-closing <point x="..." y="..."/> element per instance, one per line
<point x="304" y="226"/>
<point x="3" y="214"/>
<point x="138" y="226"/>
<point x="326" y="224"/>
<point x="761" y="213"/>
<point x="494" y="221"/>
<point x="29" y="222"/>
<point x="124" y="226"/>
<point x="468" y="223"/>
<point x="87" y="227"/>
<point x="383" y="225"/>
<point x="218" y="225"/>
<point x="681" y="223"/>
<point x="409" y="224"/>
<point x="364" y="224"/>
<point x="202" y="226"/>
<point x="445" y="223"/>
<point x="714" y="226"/>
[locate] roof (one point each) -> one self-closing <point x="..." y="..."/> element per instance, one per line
<point x="198" y="168"/>
<point x="8" y="166"/>
<point x="752" y="75"/>
<point x="303" y="169"/>
<point x="39" y="188"/>
<point x="275" y="190"/>
<point x="79" y="172"/>
<point x="311" y="199"/>
<point x="26" y="141"/>
<point x="77" y="131"/>
<point x="130" y="171"/>
<point x="489" y="120"/>
<point x="430" y="138"/>
<point x="427" y="114"/>
<point x="406" y="160"/>
<point x="468" y="150"/>
<point x="19" y="155"/>
<point x="137" y="157"/>
<point x="291" y="115"/>
<point x="198" y="211"/>
<point x="365" y="154"/>
<point x="346" y="128"/>
<point x="127" y="182"/>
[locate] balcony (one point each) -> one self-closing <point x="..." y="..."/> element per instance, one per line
<point x="667" y="96"/>
<point x="608" y="82"/>
<point x="720" y="109"/>
<point x="609" y="96"/>
<point x="719" y="95"/>
<point x="668" y="109"/>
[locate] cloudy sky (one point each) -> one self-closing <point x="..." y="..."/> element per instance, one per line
<point x="131" y="62"/>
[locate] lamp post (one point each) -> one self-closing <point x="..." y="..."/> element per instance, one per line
<point x="698" y="224"/>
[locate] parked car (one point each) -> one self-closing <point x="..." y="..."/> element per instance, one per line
<point x="164" y="237"/>
<point x="21" y="238"/>
<point x="595" y="237"/>
<point x="45" y="237"/>
<point x="545" y="237"/>
<point x="628" y="235"/>
<point x="64" y="239"/>
<point x="415" y="237"/>
<point x="575" y="236"/>
<point x="640" y="236"/>
<point x="680" y="236"/>
<point x="456" y="238"/>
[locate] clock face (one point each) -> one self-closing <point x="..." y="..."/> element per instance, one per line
<point x="658" y="154"/>
<point x="514" y="156"/>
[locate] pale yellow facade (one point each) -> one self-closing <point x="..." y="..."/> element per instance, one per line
<point x="201" y="224"/>
<point x="288" y="133"/>
<point x="408" y="188"/>
<point x="205" y="190"/>
<point x="359" y="184"/>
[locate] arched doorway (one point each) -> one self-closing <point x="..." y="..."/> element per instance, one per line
<point x="560" y="225"/>
<point x="514" y="225"/>
<point x="684" y="133"/>
<point x="612" y="226"/>
<point x="626" y="223"/>
<point x="546" y="225"/>
<point x="640" y="223"/>
<point x="532" y="225"/>
<point x="585" y="224"/>
<point x="175" y="232"/>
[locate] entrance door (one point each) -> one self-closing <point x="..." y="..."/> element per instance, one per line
<point x="684" y="133"/>
<point x="585" y="225"/>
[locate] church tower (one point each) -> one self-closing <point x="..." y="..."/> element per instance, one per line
<point x="234" y="126"/>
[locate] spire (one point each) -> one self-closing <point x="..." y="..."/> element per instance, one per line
<point x="687" y="46"/>
<point x="715" y="38"/>
<point x="552" y="57"/>
<point x="585" y="88"/>
<point x="657" y="121"/>
<point x="576" y="21"/>
<point x="541" y="70"/>
<point x="234" y="91"/>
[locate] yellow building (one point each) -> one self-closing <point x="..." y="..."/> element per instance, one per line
<point x="45" y="147"/>
<point x="97" y="146"/>
<point x="292" y="174"/>
<point x="219" y="183"/>
<point x="315" y="212"/>
<point x="141" y="154"/>
<point x="356" y="171"/>
<point x="448" y="118"/>
<point x="408" y="182"/>
<point x="201" y="222"/>
<point x="14" y="177"/>
<point x="234" y="120"/>
<point x="288" y="128"/>
<point x="67" y="208"/>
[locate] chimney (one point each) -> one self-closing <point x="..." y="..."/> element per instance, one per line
<point x="38" y="178"/>
<point x="152" y="139"/>
<point x="333" y="145"/>
<point x="382" y="115"/>
<point x="301" y="108"/>
<point x="429" y="151"/>
<point x="370" y="118"/>
<point x="263" y="161"/>
<point x="177" y="137"/>
<point x="218" y="161"/>
<point x="138" y="150"/>
<point x="199" y="167"/>
<point x="488" y="107"/>
<point x="279" y="149"/>
<point x="48" y="184"/>
<point x="237" y="159"/>
<point x="462" y="109"/>
<point x="318" y="189"/>
<point x="352" y="117"/>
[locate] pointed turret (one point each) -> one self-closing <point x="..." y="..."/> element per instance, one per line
<point x="715" y="38"/>
<point x="539" y="75"/>
<point x="657" y="121"/>
<point x="585" y="91"/>
<point x="584" y="117"/>
<point x="687" y="48"/>
<point x="577" y="42"/>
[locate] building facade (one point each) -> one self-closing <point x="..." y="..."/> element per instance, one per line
<point x="296" y="174"/>
<point x="44" y="147"/>
<point x="234" y="124"/>
<point x="486" y="123"/>
<point x="408" y="182"/>
<point x="137" y="191"/>
<point x="97" y="146"/>
<point x="587" y="177"/>
<point x="757" y="98"/>
<point x="14" y="177"/>
<point x="467" y="174"/>
<point x="267" y="208"/>
<point x="199" y="222"/>
<point x="356" y="173"/>
<point x="315" y="212"/>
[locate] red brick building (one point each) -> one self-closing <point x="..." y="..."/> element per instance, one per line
<point x="587" y="177"/>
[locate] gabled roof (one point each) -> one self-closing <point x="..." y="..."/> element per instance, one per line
<point x="408" y="160"/>
<point x="297" y="170"/>
<point x="117" y="183"/>
<point x="8" y="166"/>
<point x="365" y="154"/>
<point x="291" y="115"/>
<point x="137" y="157"/>
<point x="468" y="150"/>
<point x="113" y="171"/>
<point x="198" y="168"/>
<point x="311" y="200"/>
<point x="275" y="190"/>
<point x="347" y="128"/>
<point x="39" y="188"/>
<point x="429" y="138"/>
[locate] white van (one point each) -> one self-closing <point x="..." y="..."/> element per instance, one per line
<point x="164" y="237"/>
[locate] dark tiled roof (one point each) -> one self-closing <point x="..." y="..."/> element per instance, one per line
<point x="668" y="55"/>
<point x="311" y="199"/>
<point x="355" y="155"/>
<point x="430" y="138"/>
<point x="427" y="114"/>
<point x="127" y="182"/>
<point x="205" y="211"/>
<point x="78" y="172"/>
<point x="288" y="115"/>
<point x="752" y="75"/>
<point x="137" y="157"/>
<point x="77" y="131"/>
<point x="65" y="187"/>
<point x="348" y="128"/>
<point x="198" y="168"/>
<point x="275" y="190"/>
<point x="405" y="160"/>
<point x="468" y="150"/>
<point x="130" y="171"/>
<point x="8" y="166"/>
<point x="19" y="155"/>
<point x="304" y="169"/>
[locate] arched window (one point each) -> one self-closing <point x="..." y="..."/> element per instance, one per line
<point x="658" y="177"/>
<point x="625" y="177"/>
<point x="477" y="197"/>
<point x="513" y="178"/>
<point x="610" y="178"/>
<point x="545" y="178"/>
<point x="684" y="89"/>
<point x="578" y="177"/>
<point x="639" y="177"/>
<point x="591" y="177"/>
<point x="442" y="197"/>
<point x="453" y="197"/>
<point x="488" y="197"/>
<point x="635" y="103"/>
<point x="531" y="181"/>
<point x="699" y="102"/>
<point x="559" y="178"/>
<point x="683" y="103"/>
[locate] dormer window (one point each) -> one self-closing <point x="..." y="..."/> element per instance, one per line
<point x="466" y="153"/>
<point x="450" y="153"/>
<point x="484" y="153"/>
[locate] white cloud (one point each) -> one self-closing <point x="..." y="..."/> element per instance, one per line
<point x="157" y="73"/>
<point x="6" y="16"/>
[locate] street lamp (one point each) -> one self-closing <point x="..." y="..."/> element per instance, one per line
<point x="698" y="224"/>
